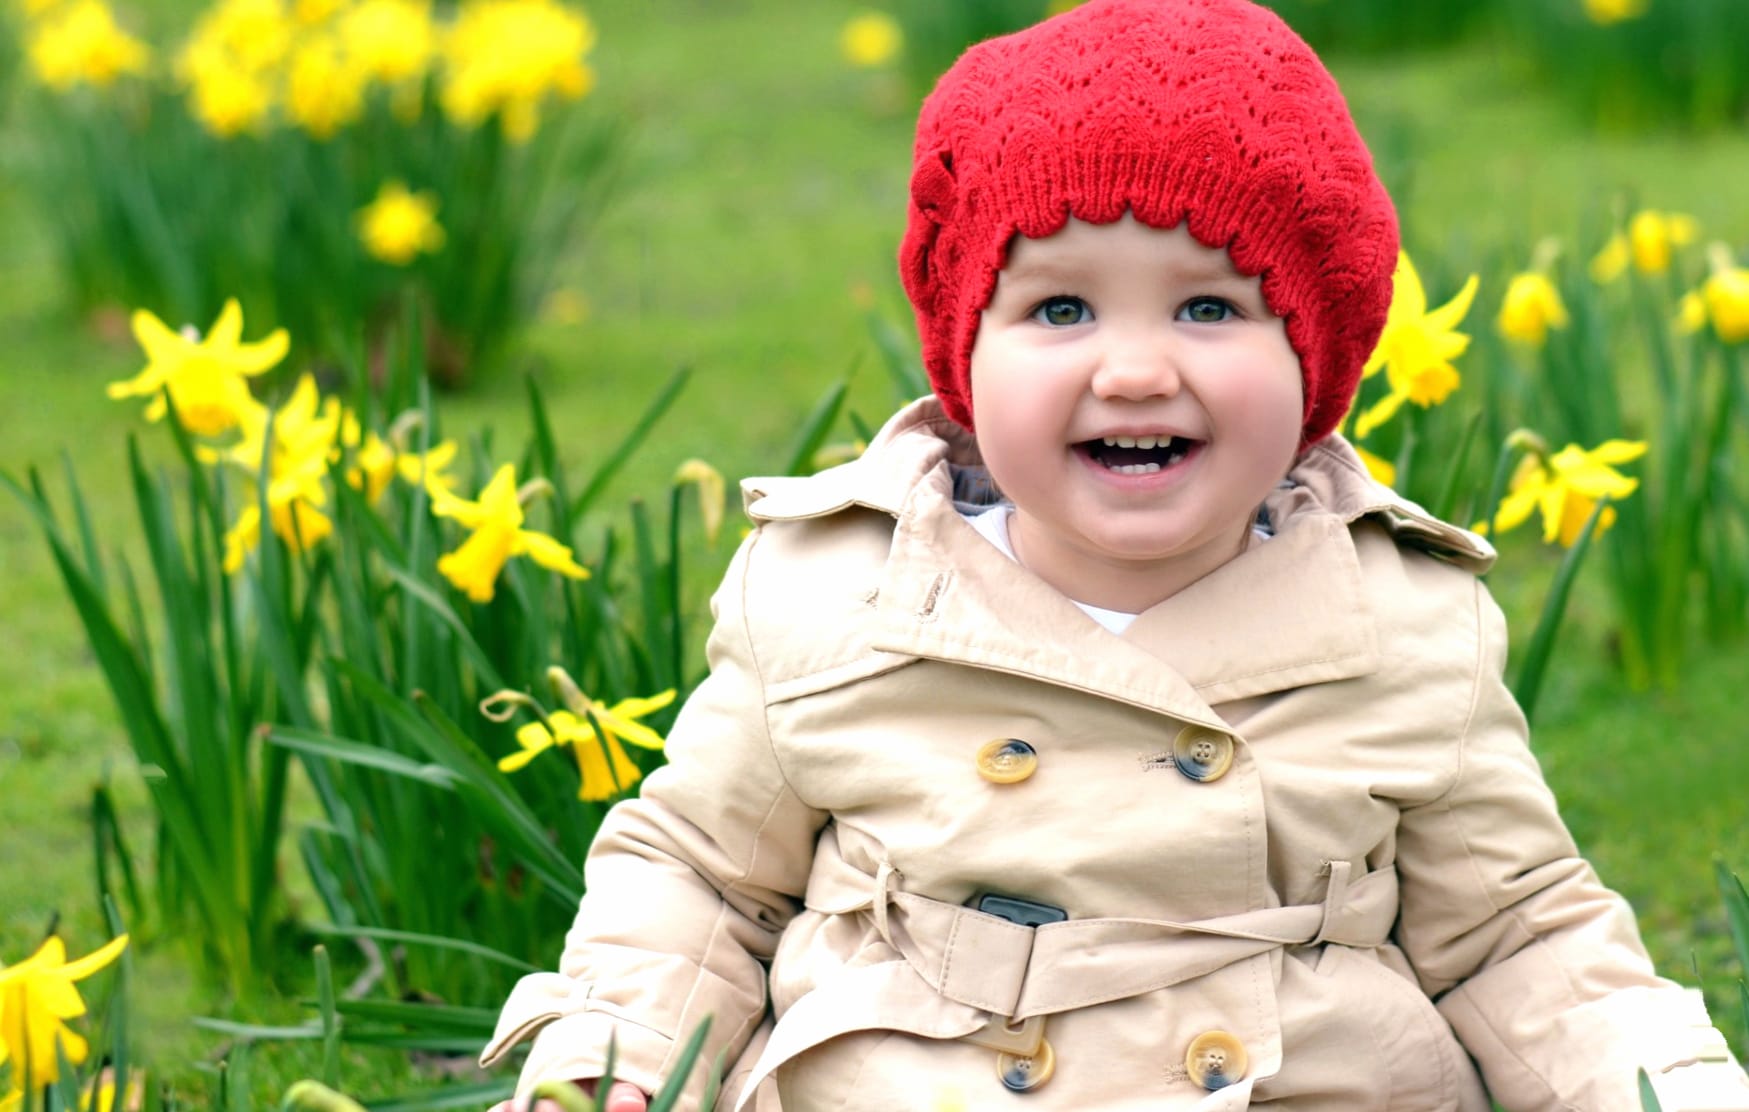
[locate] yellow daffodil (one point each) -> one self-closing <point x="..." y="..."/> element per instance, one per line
<point x="82" y="43"/>
<point x="377" y="460"/>
<point x="1649" y="243"/>
<point x="389" y="40"/>
<point x="1531" y="307"/>
<point x="314" y="13"/>
<point x="225" y="97"/>
<point x="305" y="430"/>
<point x="711" y="494"/>
<point x="1378" y="466"/>
<point x="498" y="535"/>
<point x="601" y="759"/>
<point x="871" y="39"/>
<point x="507" y="56"/>
<point x="1565" y="487"/>
<point x="1722" y="300"/>
<point x="206" y="377"/>
<point x="13" y="1101"/>
<point x="297" y="517"/>
<point x="1417" y="347"/>
<point x="255" y="35"/>
<point x="398" y="225"/>
<point x="1605" y="12"/>
<point x="323" y="93"/>
<point x="37" y="998"/>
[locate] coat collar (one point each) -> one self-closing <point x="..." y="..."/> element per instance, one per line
<point x="1292" y="611"/>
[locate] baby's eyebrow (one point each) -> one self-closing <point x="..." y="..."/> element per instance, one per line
<point x="1043" y="272"/>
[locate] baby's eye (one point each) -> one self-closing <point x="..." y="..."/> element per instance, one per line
<point x="1060" y="312"/>
<point x="1206" y="310"/>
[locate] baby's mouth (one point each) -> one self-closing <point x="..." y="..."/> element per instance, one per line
<point x="1137" y="455"/>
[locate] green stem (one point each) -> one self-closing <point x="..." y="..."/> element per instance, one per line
<point x="1542" y="641"/>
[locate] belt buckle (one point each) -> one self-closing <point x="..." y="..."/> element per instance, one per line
<point x="1021" y="1038"/>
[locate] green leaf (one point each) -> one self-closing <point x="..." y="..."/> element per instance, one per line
<point x="1648" y="1096"/>
<point x="460" y="945"/>
<point x="633" y="439"/>
<point x="1736" y="910"/>
<point x="670" y="1093"/>
<point x="1542" y="642"/>
<point x="1446" y="503"/>
<point x="308" y="1030"/>
<point x="422" y="593"/>
<point x="816" y="427"/>
<point x="316" y="744"/>
<point x="429" y="1017"/>
<point x="475" y="1096"/>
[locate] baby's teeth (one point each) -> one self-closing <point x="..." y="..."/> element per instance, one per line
<point x="1136" y="441"/>
<point x="1136" y="468"/>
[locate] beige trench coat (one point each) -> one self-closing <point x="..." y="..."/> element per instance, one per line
<point x="1372" y="892"/>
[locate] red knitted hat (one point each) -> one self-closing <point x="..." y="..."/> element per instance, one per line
<point x="1206" y="110"/>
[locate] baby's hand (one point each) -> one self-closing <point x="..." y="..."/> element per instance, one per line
<point x="623" y="1097"/>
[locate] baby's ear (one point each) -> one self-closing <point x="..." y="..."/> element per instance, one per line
<point x="934" y="196"/>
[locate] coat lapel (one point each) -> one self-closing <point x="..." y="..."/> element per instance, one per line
<point x="948" y="594"/>
<point x="1287" y="612"/>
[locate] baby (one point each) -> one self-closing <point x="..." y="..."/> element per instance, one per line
<point x="1104" y="737"/>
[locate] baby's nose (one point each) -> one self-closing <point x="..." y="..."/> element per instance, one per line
<point x="1137" y="365"/>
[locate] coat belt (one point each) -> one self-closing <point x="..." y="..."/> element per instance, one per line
<point x="961" y="965"/>
<point x="1018" y="971"/>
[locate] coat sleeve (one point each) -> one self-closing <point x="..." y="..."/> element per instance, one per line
<point x="1537" y="966"/>
<point x="686" y="890"/>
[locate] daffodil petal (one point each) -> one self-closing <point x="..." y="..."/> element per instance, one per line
<point x="635" y="732"/>
<point x="228" y="328"/>
<point x="150" y="381"/>
<point x="549" y="553"/>
<point x="1446" y="317"/>
<point x="512" y="762"/>
<point x="1619" y="451"/>
<point x="83" y="967"/>
<point x="155" y="337"/>
<point x="1409" y="296"/>
<point x="1516" y="507"/>
<point x="638" y="708"/>
<point x="1551" y="500"/>
<point x="1380" y="412"/>
<point x="258" y="357"/>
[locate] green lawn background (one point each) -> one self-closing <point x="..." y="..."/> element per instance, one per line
<point x="765" y="187"/>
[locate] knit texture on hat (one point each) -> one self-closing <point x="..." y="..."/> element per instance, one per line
<point x="1210" y="111"/>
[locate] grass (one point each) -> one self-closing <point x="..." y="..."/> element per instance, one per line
<point x="766" y="187"/>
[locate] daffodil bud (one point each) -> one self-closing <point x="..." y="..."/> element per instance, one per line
<point x="1527" y="440"/>
<point x="565" y="1094"/>
<point x="538" y="487"/>
<point x="313" y="1096"/>
<point x="567" y="690"/>
<point x="711" y="494"/>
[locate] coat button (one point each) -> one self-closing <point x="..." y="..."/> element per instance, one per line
<point x="1202" y="755"/>
<point x="1215" y="1060"/>
<point x="1007" y="760"/>
<point x="1021" y="1074"/>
